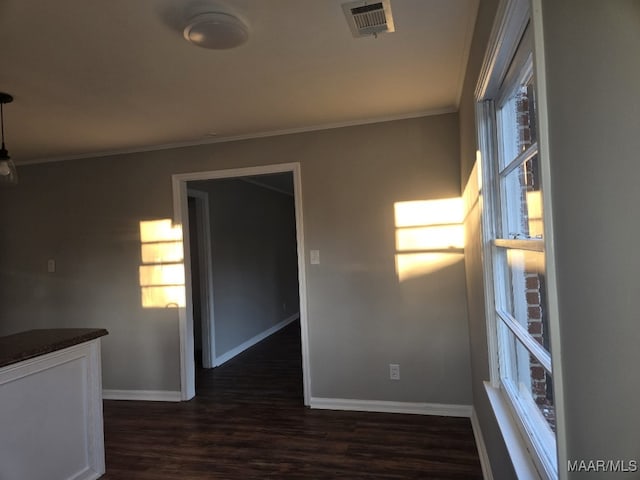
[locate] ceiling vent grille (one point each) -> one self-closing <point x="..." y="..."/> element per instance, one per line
<point x="369" y="18"/>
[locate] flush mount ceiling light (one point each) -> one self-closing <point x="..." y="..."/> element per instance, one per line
<point x="218" y="31"/>
<point x="8" y="174"/>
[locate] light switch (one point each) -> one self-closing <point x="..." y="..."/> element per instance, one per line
<point x="315" y="257"/>
<point x="51" y="265"/>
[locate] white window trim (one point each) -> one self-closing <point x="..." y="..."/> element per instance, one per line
<point x="511" y="20"/>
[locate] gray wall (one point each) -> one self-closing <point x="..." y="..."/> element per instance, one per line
<point x="496" y="449"/>
<point x="255" y="269"/>
<point x="361" y="318"/>
<point x="593" y="73"/>
<point x="86" y="216"/>
<point x="468" y="141"/>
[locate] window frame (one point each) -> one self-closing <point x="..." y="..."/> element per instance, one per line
<point x="504" y="68"/>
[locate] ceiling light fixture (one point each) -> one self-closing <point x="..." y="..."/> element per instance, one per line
<point x="8" y="174"/>
<point x="215" y="30"/>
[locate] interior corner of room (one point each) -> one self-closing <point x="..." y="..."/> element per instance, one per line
<point x="336" y="186"/>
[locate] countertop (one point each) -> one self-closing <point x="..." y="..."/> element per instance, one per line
<point x="33" y="343"/>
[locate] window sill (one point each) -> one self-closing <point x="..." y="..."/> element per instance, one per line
<point x="520" y="456"/>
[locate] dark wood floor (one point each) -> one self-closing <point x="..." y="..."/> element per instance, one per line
<point x="248" y="422"/>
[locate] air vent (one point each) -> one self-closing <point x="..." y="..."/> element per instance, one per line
<point x="369" y="18"/>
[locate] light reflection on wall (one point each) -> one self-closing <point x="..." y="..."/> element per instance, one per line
<point x="429" y="235"/>
<point x="534" y="213"/>
<point x="435" y="237"/>
<point x="162" y="269"/>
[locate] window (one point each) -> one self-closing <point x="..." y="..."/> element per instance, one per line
<point x="515" y="250"/>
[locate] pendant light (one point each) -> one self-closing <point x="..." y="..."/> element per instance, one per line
<point x="8" y="174"/>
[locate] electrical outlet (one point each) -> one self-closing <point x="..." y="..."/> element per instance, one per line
<point x="394" y="371"/>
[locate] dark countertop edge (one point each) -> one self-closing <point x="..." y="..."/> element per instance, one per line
<point x="34" y="343"/>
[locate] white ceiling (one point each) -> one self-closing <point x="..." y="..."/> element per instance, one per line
<point x="91" y="77"/>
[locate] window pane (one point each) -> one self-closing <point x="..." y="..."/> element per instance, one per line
<point x="524" y="295"/>
<point x="522" y="201"/>
<point x="529" y="382"/>
<point x="517" y="123"/>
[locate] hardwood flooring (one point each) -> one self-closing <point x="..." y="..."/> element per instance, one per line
<point x="248" y="422"/>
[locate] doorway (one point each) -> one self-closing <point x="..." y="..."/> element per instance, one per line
<point x="201" y="278"/>
<point x="181" y="183"/>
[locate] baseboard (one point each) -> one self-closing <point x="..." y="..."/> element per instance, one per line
<point x="86" y="474"/>
<point x="225" y="357"/>
<point x="440" y="409"/>
<point x="487" y="474"/>
<point x="146" y="395"/>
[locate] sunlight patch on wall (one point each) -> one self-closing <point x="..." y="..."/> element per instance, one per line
<point x="444" y="211"/>
<point x="534" y="213"/>
<point x="429" y="236"/>
<point x="410" y="265"/>
<point x="162" y="252"/>
<point x="162" y="270"/>
<point x="478" y="167"/>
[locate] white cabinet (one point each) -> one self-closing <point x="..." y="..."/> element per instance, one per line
<point x="51" y="425"/>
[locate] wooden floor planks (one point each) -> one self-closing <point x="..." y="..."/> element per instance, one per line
<point x="248" y="422"/>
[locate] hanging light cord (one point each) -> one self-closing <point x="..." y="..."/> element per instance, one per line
<point x="2" y="122"/>
<point x="8" y="174"/>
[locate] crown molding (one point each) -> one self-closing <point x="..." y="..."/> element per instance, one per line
<point x="236" y="138"/>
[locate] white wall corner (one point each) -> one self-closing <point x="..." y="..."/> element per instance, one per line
<point x="487" y="474"/>
<point x="440" y="409"/>
<point x="142" y="395"/>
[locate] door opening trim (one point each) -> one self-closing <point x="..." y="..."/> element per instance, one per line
<point x="185" y="314"/>
<point x="203" y="243"/>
